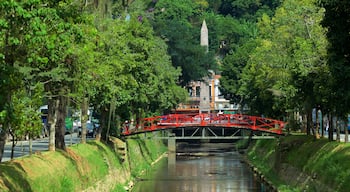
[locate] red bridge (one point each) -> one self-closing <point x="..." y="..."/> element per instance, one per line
<point x="212" y="122"/>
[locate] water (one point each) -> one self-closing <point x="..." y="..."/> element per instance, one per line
<point x="200" y="168"/>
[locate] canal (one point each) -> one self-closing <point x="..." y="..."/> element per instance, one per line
<point x="208" y="167"/>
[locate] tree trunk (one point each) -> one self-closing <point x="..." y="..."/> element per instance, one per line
<point x="109" y="121"/>
<point x="60" y="126"/>
<point x="317" y="126"/>
<point x="338" y="129"/>
<point x="308" y="122"/>
<point x="14" y="142"/>
<point x="139" y="117"/>
<point x="322" y="124"/>
<point x="52" y="120"/>
<point x="84" y="118"/>
<point x="3" y="138"/>
<point x="110" y="118"/>
<point x="114" y="119"/>
<point x="330" y="127"/>
<point x="304" y="123"/>
<point x="3" y="131"/>
<point x="104" y="115"/>
<point x="30" y="145"/>
<point x="346" y="137"/>
<point x="118" y="124"/>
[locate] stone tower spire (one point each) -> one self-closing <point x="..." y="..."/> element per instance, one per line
<point x="204" y="103"/>
<point x="204" y="35"/>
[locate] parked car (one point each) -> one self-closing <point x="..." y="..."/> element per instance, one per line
<point x="90" y="130"/>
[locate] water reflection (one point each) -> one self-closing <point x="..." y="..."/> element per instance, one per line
<point x="212" y="171"/>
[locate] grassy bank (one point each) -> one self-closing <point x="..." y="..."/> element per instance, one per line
<point x="81" y="167"/>
<point x="300" y="163"/>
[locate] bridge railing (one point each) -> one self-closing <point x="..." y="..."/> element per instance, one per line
<point x="213" y="120"/>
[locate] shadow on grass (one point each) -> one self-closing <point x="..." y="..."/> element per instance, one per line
<point x="13" y="174"/>
<point x="146" y="154"/>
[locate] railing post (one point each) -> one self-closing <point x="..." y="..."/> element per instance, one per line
<point x="177" y="120"/>
<point x="228" y="119"/>
<point x="254" y="123"/>
<point x="152" y="124"/>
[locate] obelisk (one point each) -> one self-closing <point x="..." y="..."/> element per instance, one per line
<point x="204" y="105"/>
<point x="204" y="35"/>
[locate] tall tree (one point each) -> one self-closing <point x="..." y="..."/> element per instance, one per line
<point x="60" y="65"/>
<point x="336" y="20"/>
<point x="18" y="31"/>
<point x="38" y="36"/>
<point x="287" y="54"/>
<point x="26" y="121"/>
<point x="134" y="73"/>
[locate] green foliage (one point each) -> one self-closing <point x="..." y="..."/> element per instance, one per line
<point x="36" y="41"/>
<point x="232" y="78"/>
<point x="282" y="68"/>
<point x="132" y="69"/>
<point x="26" y="119"/>
<point x="91" y="51"/>
<point x="178" y="23"/>
<point x="336" y="20"/>
<point x="248" y="9"/>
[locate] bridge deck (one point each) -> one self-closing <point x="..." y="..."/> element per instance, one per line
<point x="209" y="123"/>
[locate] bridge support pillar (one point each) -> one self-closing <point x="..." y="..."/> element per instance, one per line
<point x="172" y="163"/>
<point x="171" y="154"/>
<point x="172" y="144"/>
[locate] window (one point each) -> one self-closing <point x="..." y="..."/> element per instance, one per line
<point x="198" y="91"/>
<point x="190" y="91"/>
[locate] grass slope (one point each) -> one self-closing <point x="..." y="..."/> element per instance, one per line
<point x="300" y="163"/>
<point x="81" y="167"/>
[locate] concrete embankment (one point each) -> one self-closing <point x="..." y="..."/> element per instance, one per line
<point x="94" y="166"/>
<point x="301" y="163"/>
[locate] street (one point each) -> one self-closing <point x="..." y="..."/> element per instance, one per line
<point x="22" y="147"/>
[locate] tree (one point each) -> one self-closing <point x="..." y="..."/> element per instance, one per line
<point x="60" y="65"/>
<point x="26" y="120"/>
<point x="239" y="45"/>
<point x="84" y="84"/>
<point x="250" y="10"/>
<point x="178" y="23"/>
<point x="336" y="20"/>
<point x="38" y="37"/>
<point x="16" y="32"/>
<point x="282" y="65"/>
<point x="292" y="53"/>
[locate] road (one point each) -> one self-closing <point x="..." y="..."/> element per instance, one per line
<point x="22" y="147"/>
<point x="342" y="136"/>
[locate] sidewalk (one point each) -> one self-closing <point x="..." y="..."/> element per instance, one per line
<point x="342" y="136"/>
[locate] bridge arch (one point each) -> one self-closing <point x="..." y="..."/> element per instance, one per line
<point x="223" y="125"/>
